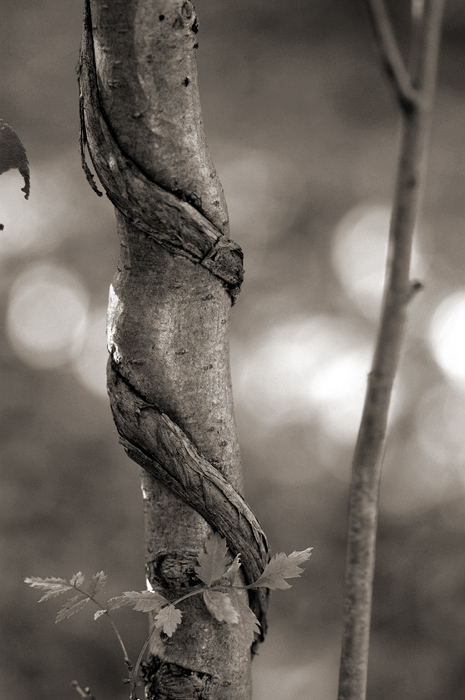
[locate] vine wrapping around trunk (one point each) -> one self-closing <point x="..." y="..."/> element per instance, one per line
<point x="178" y="274"/>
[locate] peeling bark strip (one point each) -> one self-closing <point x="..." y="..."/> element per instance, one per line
<point x="159" y="446"/>
<point x="168" y="319"/>
<point x="173" y="223"/>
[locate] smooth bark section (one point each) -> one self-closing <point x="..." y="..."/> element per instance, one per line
<point x="168" y="341"/>
<point x="168" y="313"/>
<point x="366" y="467"/>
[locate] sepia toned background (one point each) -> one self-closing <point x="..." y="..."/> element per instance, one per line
<point x="303" y="131"/>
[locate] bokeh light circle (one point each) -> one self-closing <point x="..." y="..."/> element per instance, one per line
<point x="46" y="315"/>
<point x="90" y="364"/>
<point x="359" y="255"/>
<point x="440" y="420"/>
<point x="305" y="370"/>
<point x="43" y="221"/>
<point x="447" y="337"/>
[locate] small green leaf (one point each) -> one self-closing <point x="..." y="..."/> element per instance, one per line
<point x="248" y="623"/>
<point x="280" y="567"/>
<point x="220" y="606"/>
<point x="145" y="601"/>
<point x="98" y="582"/>
<point x="53" y="594"/>
<point x="168" y="618"/>
<point x="71" y="607"/>
<point x="47" y="584"/>
<point x="77" y="580"/>
<point x="53" y="586"/>
<point x="214" y="562"/>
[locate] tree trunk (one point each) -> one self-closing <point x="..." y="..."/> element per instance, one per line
<point x="168" y="372"/>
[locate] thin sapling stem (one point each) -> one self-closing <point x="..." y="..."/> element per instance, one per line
<point x="415" y="101"/>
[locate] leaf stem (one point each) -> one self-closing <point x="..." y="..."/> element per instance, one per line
<point x="135" y="670"/>
<point x="127" y="660"/>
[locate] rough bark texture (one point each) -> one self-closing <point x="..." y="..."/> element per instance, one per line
<point x="168" y="373"/>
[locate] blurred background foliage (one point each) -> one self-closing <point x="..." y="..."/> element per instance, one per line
<point x="303" y="130"/>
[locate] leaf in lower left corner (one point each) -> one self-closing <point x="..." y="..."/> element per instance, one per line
<point x="13" y="154"/>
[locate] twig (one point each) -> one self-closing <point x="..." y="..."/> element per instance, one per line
<point x="416" y="30"/>
<point x="127" y="660"/>
<point x="86" y="693"/>
<point x="366" y="467"/>
<point x="428" y="50"/>
<point x="391" y="56"/>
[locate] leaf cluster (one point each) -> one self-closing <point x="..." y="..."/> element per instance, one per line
<point x="220" y="586"/>
<point x="56" y="586"/>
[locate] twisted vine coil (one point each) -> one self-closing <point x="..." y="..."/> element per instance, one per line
<point x="149" y="436"/>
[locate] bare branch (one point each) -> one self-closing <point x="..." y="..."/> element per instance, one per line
<point x="86" y="693"/>
<point x="399" y="290"/>
<point x="391" y="56"/>
<point x="428" y="50"/>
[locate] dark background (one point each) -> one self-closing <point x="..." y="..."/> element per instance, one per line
<point x="303" y="130"/>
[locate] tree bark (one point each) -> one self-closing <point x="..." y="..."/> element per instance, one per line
<point x="168" y="372"/>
